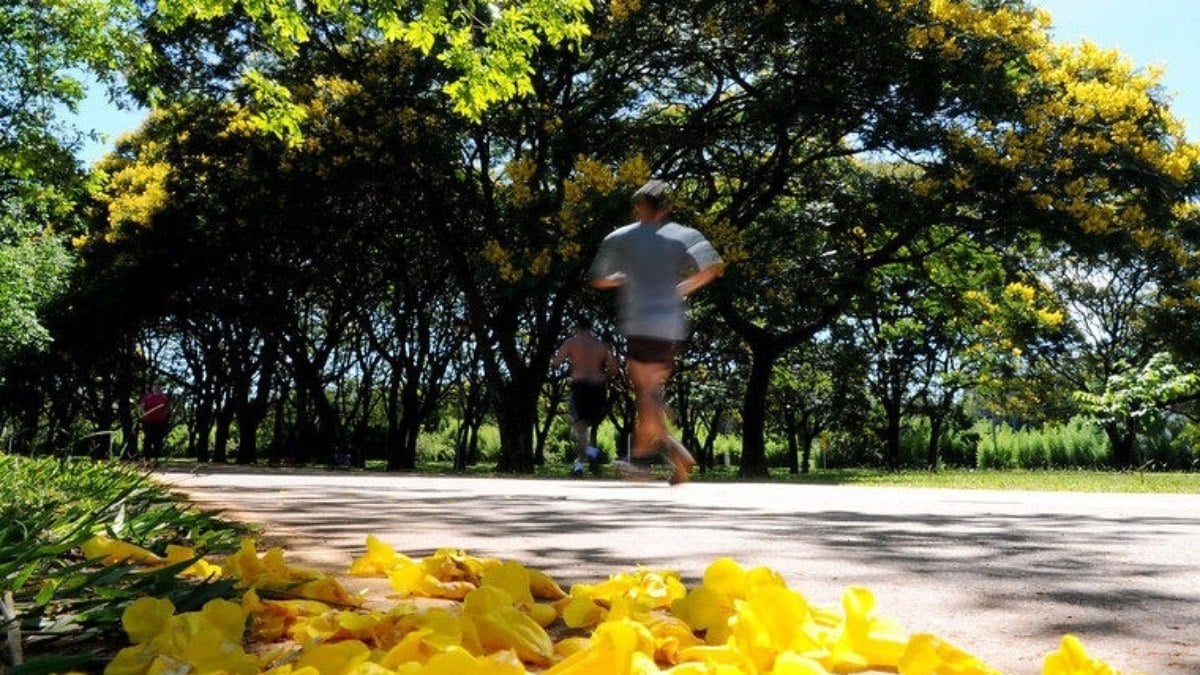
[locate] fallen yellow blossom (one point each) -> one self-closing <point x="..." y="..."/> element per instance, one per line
<point x="112" y="551"/>
<point x="737" y="621"/>
<point x="207" y="641"/>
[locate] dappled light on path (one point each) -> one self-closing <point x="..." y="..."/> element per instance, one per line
<point x="985" y="570"/>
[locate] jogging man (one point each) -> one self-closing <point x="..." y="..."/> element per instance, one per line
<point x="656" y="264"/>
<point x="592" y="364"/>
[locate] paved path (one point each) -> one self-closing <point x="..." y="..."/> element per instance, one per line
<point x="1002" y="574"/>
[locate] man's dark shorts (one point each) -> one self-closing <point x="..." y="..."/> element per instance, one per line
<point x="652" y="350"/>
<point x="589" y="402"/>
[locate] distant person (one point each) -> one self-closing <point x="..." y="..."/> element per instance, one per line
<point x="656" y="264"/>
<point x="592" y="364"/>
<point x="156" y="421"/>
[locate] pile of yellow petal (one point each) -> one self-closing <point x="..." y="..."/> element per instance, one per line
<point x="503" y="618"/>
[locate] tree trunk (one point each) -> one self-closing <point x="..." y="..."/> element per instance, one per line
<point x="203" y="428"/>
<point x="754" y="406"/>
<point x="280" y="431"/>
<point x="466" y="446"/>
<point x="221" y="444"/>
<point x="792" y="430"/>
<point x="935" y="438"/>
<point x="806" y="441"/>
<point x="892" y="435"/>
<point x="516" y="415"/>
<point x="249" y="417"/>
<point x="1124" y="442"/>
<point x="402" y="452"/>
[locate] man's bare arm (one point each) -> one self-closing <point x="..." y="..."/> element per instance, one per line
<point x="609" y="282"/>
<point x="699" y="280"/>
<point x="561" y="355"/>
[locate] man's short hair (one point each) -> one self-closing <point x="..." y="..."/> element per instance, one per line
<point x="583" y="323"/>
<point x="655" y="192"/>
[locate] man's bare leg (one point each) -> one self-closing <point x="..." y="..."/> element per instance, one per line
<point x="648" y="382"/>
<point x="579" y="429"/>
<point x="650" y="436"/>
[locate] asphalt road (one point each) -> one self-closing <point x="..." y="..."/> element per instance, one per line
<point x="1002" y="574"/>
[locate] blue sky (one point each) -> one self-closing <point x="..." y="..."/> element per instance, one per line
<point x="1151" y="32"/>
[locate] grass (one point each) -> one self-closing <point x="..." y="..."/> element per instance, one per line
<point x="1015" y="479"/>
<point x="1050" y="480"/>
<point x="68" y="609"/>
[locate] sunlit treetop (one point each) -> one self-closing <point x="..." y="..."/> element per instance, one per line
<point x="1095" y="137"/>
<point x="487" y="44"/>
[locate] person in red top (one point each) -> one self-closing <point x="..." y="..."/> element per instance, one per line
<point x="156" y="421"/>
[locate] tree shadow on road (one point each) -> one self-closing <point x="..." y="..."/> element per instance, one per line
<point x="1065" y="569"/>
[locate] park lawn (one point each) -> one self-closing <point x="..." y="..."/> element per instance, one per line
<point x="1050" y="480"/>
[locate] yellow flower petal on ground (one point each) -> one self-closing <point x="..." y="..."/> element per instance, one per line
<point x="543" y="586"/>
<point x="879" y="642"/>
<point x="759" y="577"/>
<point x="726" y="577"/>
<point x="133" y="660"/>
<point x="541" y="613"/>
<point x="267" y="571"/>
<point x="406" y="577"/>
<point x="725" y="655"/>
<point x="378" y="559"/>
<point x="146" y="618"/>
<point x="325" y="589"/>
<point x="311" y="630"/>
<point x="652" y="589"/>
<point x="272" y="560"/>
<point x="335" y="658"/>
<point x="374" y="628"/>
<point x="582" y="613"/>
<point x="698" y="668"/>
<point x="227" y="617"/>
<point x="113" y="551"/>
<point x="371" y="668"/>
<point x="611" y="650"/>
<point x="770" y="622"/>
<point x="412" y="648"/>
<point x="445" y="630"/>
<point x="930" y="655"/>
<point x="790" y="663"/>
<point x="568" y="646"/>
<point x="206" y="641"/>
<point x="640" y="664"/>
<point x="201" y="568"/>
<point x="486" y="599"/>
<point x="198" y="638"/>
<point x="457" y="661"/>
<point x="433" y="587"/>
<point x="671" y="636"/>
<point x="447" y="565"/>
<point x="510" y="629"/>
<point x="581" y="610"/>
<point x="499" y="626"/>
<point x="828" y="617"/>
<point x="513" y="579"/>
<point x="704" y="609"/>
<point x="1072" y="658"/>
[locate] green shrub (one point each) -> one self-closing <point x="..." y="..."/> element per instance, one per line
<point x="1077" y="444"/>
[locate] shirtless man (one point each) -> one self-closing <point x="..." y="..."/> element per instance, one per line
<point x="592" y="363"/>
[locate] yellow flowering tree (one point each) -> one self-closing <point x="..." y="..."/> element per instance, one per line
<point x="830" y="141"/>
